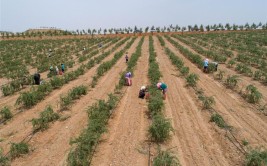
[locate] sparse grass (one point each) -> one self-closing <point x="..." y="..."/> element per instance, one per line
<point x="192" y="79"/>
<point x="252" y="94"/>
<point x="256" y="157"/>
<point x="18" y="149"/>
<point x="207" y="102"/>
<point x="165" y="158"/>
<point x="5" y="113"/>
<point x="184" y="71"/>
<point x="231" y="81"/>
<point x="3" y="159"/>
<point x="160" y="128"/>
<point x="219" y="75"/>
<point x="245" y="142"/>
<point x="218" y="119"/>
<point x="42" y="123"/>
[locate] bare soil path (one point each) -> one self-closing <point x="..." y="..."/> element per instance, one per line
<point x="129" y="124"/>
<point x="52" y="146"/>
<point x="19" y="126"/>
<point x="244" y="80"/>
<point x="194" y="136"/>
<point x="248" y="124"/>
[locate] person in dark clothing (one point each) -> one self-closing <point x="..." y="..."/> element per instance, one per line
<point x="126" y="57"/>
<point x="37" y="78"/>
<point x="143" y="93"/>
<point x="62" y="67"/>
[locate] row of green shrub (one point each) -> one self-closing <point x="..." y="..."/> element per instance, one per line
<point x="98" y="115"/>
<point x="36" y="94"/>
<point x="210" y="54"/>
<point x="104" y="67"/>
<point x="254" y="157"/>
<point x="161" y="128"/>
<point x="73" y="94"/>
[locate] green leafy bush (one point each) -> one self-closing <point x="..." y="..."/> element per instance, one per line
<point x="256" y="157"/>
<point x="192" y="79"/>
<point x="5" y="113"/>
<point x="218" y="119"/>
<point x="42" y="123"/>
<point x="165" y="158"/>
<point x="18" y="149"/>
<point x="160" y="129"/>
<point x="252" y="94"/>
<point x="231" y="81"/>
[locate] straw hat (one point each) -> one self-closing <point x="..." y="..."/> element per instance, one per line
<point x="143" y="87"/>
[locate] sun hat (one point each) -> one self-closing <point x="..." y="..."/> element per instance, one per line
<point x="158" y="85"/>
<point x="143" y="87"/>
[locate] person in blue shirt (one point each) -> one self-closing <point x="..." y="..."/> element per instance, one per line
<point x="162" y="86"/>
<point x="206" y="65"/>
<point x="62" y="67"/>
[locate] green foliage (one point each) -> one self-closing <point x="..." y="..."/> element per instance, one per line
<point x="18" y="149"/>
<point x="165" y="158"/>
<point x="244" y="142"/>
<point x="256" y="157"/>
<point x="231" y="81"/>
<point x="207" y="101"/>
<point x="155" y="104"/>
<point x="42" y="123"/>
<point x="192" y="79"/>
<point x="56" y="82"/>
<point x="160" y="128"/>
<point x="218" y="119"/>
<point x="244" y="69"/>
<point x="3" y="159"/>
<point x="76" y="92"/>
<point x="252" y="94"/>
<point x="162" y="42"/>
<point x="231" y="63"/>
<point x="85" y="143"/>
<point x="5" y="113"/>
<point x="184" y="71"/>
<point x="220" y="75"/>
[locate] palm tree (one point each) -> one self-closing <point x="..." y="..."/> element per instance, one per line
<point x="201" y="28"/>
<point x="247" y="26"/>
<point x="195" y="28"/>
<point x="94" y="31"/>
<point x="89" y="31"/>
<point x="228" y="27"/>
<point x="241" y="27"/>
<point x="110" y="31"/>
<point x="235" y="27"/>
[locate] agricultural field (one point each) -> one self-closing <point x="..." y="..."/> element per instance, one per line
<point x="87" y="116"/>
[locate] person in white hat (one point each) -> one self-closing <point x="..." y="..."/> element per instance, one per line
<point x="143" y="93"/>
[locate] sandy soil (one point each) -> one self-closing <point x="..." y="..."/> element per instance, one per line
<point x="52" y="146"/>
<point x="195" y="140"/>
<point x="128" y="126"/>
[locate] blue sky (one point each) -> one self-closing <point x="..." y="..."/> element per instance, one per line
<point x="20" y="15"/>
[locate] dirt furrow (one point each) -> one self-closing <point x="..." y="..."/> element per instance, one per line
<point x="52" y="146"/>
<point x="244" y="80"/>
<point x="198" y="146"/>
<point x="10" y="100"/>
<point x="246" y="122"/>
<point x="20" y="125"/>
<point x="128" y="126"/>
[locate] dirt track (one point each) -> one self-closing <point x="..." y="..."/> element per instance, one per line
<point x="128" y="127"/>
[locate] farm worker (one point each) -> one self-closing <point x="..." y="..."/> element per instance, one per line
<point x="51" y="68"/>
<point x="143" y="93"/>
<point x="128" y="78"/>
<point x="162" y="86"/>
<point x="126" y="57"/>
<point x="62" y="67"/>
<point x="37" y="78"/>
<point x="216" y="65"/>
<point x="206" y="65"/>
<point x="57" y="70"/>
